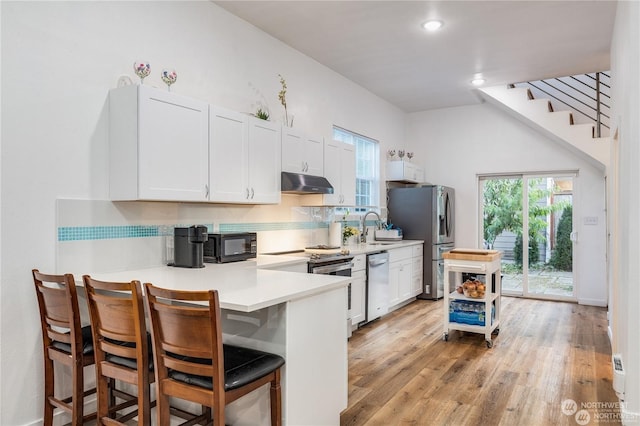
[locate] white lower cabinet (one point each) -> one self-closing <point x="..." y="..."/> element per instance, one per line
<point x="417" y="269"/>
<point x="400" y="275"/>
<point x="358" y="295"/>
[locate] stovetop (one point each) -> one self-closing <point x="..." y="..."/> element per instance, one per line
<point x="321" y="254"/>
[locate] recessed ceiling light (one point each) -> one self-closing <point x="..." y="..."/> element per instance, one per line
<point x="432" y="25"/>
<point x="478" y="81"/>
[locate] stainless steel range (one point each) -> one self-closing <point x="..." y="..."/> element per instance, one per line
<point x="328" y="260"/>
<point x="329" y="263"/>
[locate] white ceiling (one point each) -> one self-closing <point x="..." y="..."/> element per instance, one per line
<point x="381" y="46"/>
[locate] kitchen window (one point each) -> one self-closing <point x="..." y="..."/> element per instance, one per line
<point x="367" y="167"/>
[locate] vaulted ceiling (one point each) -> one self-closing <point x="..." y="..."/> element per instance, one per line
<point x="381" y="45"/>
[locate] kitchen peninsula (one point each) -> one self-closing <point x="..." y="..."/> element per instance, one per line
<point x="296" y="315"/>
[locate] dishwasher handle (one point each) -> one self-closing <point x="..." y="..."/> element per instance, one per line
<point x="377" y="262"/>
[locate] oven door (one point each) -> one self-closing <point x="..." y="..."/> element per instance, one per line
<point x="341" y="269"/>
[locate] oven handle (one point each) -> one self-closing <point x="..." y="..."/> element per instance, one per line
<point x="332" y="268"/>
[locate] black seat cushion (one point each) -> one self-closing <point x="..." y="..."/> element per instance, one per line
<point x="130" y="362"/>
<point x="87" y="342"/>
<point x="241" y="366"/>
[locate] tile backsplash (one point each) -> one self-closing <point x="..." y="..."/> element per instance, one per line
<point x="100" y="235"/>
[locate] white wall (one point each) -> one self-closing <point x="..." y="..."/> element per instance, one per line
<point x="59" y="59"/>
<point x="625" y="268"/>
<point x="457" y="144"/>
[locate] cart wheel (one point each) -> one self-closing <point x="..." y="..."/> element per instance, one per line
<point x="489" y="344"/>
<point x="496" y="331"/>
<point x="445" y="336"/>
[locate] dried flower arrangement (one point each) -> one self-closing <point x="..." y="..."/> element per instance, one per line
<point x="283" y="100"/>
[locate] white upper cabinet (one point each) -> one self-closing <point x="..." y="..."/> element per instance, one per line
<point x="264" y="161"/>
<point x="404" y="171"/>
<point x="302" y="153"/>
<point x="245" y="158"/>
<point x="228" y="155"/>
<point x="340" y="171"/>
<point x="348" y="174"/>
<point x="158" y="145"/>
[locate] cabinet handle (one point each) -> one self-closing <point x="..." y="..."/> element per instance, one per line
<point x="252" y="193"/>
<point x="247" y="196"/>
<point x="306" y="166"/>
<point x="206" y="191"/>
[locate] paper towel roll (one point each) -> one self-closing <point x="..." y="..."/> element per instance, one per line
<point x="335" y="234"/>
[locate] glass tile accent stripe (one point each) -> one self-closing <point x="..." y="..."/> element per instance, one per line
<point x="88" y="233"/>
<point x="79" y="233"/>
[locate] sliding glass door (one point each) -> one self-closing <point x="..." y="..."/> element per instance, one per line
<point x="537" y="248"/>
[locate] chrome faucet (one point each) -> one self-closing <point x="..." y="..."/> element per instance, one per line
<point x="363" y="236"/>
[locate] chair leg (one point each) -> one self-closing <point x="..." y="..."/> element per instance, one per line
<point x="49" y="388"/>
<point x="275" y="396"/>
<point x="162" y="408"/>
<point x="144" y="404"/>
<point x="77" y="403"/>
<point x="103" y="385"/>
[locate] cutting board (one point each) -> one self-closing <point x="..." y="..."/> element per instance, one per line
<point x="478" y="255"/>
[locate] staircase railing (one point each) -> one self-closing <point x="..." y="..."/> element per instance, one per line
<point x="586" y="94"/>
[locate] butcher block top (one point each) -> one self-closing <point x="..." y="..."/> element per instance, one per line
<point x="472" y="254"/>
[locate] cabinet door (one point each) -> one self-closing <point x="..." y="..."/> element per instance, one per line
<point x="394" y="283"/>
<point x="348" y="174"/>
<point x="293" y="151"/>
<point x="264" y="161"/>
<point x="358" y="297"/>
<point x="332" y="153"/>
<point x="228" y="179"/>
<point x="405" y="281"/>
<point x="172" y="146"/>
<point x="314" y="155"/>
<point x="301" y="153"/>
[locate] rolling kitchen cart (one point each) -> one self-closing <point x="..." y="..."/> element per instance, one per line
<point x="472" y="261"/>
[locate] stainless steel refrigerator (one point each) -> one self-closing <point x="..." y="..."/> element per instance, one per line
<point x="426" y="213"/>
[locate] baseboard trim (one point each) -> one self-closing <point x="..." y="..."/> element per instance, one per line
<point x="593" y="302"/>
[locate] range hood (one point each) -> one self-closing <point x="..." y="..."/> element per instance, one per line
<point x="297" y="183"/>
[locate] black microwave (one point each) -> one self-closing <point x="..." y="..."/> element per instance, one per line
<point x="230" y="247"/>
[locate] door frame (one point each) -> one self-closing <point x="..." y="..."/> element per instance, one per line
<point x="525" y="176"/>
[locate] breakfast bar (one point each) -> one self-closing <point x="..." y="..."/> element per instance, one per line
<point x="298" y="316"/>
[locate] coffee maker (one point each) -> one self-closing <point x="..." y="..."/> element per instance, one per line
<point x="189" y="246"/>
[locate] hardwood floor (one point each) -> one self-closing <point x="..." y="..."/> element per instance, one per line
<point x="401" y="372"/>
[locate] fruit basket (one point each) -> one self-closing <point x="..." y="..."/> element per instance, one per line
<point x="473" y="288"/>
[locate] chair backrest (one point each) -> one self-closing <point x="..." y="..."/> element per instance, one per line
<point x="59" y="311"/>
<point x="118" y="320"/>
<point x="187" y="335"/>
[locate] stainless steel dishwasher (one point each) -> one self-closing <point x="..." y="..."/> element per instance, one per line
<point x="377" y="285"/>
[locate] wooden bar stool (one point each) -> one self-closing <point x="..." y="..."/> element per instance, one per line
<point x="64" y="341"/>
<point x="122" y="349"/>
<point x="191" y="362"/>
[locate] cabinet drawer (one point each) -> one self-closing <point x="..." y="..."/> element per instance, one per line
<point x="400" y="254"/>
<point x="359" y="263"/>
<point x="418" y="250"/>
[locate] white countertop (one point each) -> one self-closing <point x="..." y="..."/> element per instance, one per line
<point x="241" y="286"/>
<point x="376" y="246"/>
<point x="250" y="285"/>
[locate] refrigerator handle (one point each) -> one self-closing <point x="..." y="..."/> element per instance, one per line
<point x="447" y="215"/>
